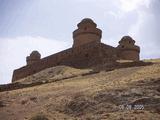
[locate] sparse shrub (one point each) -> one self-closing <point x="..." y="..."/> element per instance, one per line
<point x="24" y="102"/>
<point x="1" y="104"/>
<point x="33" y="99"/>
<point x="39" y="117"/>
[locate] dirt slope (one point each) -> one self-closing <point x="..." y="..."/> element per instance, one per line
<point x="122" y="94"/>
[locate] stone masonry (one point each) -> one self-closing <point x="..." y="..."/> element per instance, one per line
<point x="87" y="51"/>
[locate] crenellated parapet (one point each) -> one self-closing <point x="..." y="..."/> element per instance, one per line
<point x="35" y="56"/>
<point x="87" y="32"/>
<point x="127" y="49"/>
<point x="87" y="51"/>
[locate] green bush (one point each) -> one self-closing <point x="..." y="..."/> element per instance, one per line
<point x="39" y="117"/>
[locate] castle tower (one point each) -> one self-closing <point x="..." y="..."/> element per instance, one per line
<point x="87" y="32"/>
<point x="127" y="49"/>
<point x="34" y="57"/>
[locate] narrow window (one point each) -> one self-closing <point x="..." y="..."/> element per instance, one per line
<point x="86" y="55"/>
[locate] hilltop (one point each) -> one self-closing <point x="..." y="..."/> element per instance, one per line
<point x="66" y="93"/>
<point x="87" y="51"/>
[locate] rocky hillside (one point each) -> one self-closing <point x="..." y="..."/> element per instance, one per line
<point x="65" y="93"/>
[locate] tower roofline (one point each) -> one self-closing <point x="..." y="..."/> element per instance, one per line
<point x="86" y="20"/>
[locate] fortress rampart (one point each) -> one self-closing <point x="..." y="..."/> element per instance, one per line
<point x="87" y="51"/>
<point x="79" y="57"/>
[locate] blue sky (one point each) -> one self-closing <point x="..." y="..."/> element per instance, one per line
<point x="47" y="26"/>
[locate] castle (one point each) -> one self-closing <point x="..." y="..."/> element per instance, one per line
<point x="87" y="51"/>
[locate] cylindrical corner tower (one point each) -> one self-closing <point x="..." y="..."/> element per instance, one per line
<point x="87" y="32"/>
<point x="127" y="49"/>
<point x="34" y="57"/>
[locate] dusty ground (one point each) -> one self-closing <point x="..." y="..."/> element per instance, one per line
<point x="122" y="94"/>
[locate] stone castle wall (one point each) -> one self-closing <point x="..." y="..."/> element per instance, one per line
<point x="129" y="55"/>
<point x="87" y="50"/>
<point x="79" y="57"/>
<point x="85" y="38"/>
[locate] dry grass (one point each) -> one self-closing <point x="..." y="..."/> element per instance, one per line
<point x="152" y="60"/>
<point x="92" y="97"/>
<point x="54" y="73"/>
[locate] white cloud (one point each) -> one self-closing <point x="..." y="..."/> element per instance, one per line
<point x="115" y="14"/>
<point x="144" y="32"/>
<point x="130" y="5"/>
<point x="13" y="52"/>
<point x="115" y="18"/>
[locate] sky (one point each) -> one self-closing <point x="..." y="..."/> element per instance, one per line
<point x="47" y="26"/>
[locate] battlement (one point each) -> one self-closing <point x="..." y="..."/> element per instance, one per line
<point x="87" y="51"/>
<point x="127" y="49"/>
<point x="87" y="32"/>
